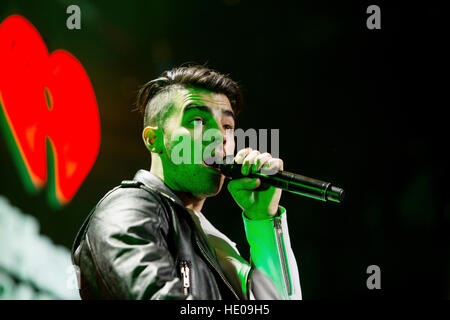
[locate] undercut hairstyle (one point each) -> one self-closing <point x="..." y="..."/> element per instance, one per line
<point x="154" y="99"/>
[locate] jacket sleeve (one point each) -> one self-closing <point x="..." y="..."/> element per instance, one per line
<point x="272" y="258"/>
<point x="129" y="251"/>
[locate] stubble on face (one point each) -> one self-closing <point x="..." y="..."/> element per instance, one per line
<point x="197" y="179"/>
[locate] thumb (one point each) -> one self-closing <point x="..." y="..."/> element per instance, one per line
<point x="244" y="184"/>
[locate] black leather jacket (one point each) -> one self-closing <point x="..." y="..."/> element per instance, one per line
<point x="140" y="242"/>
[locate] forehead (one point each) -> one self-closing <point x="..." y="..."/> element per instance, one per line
<point x="216" y="101"/>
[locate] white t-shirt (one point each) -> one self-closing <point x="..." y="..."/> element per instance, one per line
<point x="266" y="256"/>
<point x="235" y="267"/>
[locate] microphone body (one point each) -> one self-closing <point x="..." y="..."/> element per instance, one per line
<point x="288" y="181"/>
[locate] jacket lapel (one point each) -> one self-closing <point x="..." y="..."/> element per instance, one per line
<point x="156" y="184"/>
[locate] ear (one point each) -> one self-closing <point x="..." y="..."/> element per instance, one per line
<point x="153" y="139"/>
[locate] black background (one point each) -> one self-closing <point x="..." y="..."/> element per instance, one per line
<point x="364" y="109"/>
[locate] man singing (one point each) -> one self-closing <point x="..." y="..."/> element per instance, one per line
<point x="148" y="237"/>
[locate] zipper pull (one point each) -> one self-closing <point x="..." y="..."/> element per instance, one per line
<point x="185" y="276"/>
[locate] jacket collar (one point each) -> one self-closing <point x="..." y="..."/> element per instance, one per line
<point x="155" y="183"/>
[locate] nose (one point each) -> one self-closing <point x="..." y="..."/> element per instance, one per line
<point x="220" y="141"/>
<point x="219" y="150"/>
<point x="226" y="148"/>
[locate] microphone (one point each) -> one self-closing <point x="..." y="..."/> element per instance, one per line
<point x="288" y="181"/>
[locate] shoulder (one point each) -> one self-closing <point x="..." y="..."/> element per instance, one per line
<point x="128" y="194"/>
<point x="127" y="205"/>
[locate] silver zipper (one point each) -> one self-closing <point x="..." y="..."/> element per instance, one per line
<point x="279" y="240"/>
<point x="214" y="267"/>
<point x="184" y="267"/>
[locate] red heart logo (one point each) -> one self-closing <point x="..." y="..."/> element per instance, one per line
<point x="50" y="97"/>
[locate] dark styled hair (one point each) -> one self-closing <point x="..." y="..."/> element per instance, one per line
<point x="190" y="76"/>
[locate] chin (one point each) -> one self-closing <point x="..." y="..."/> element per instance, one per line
<point x="214" y="186"/>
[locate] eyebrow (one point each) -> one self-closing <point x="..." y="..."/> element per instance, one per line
<point x="208" y="110"/>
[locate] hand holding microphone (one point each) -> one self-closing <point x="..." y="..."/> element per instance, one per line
<point x="251" y="163"/>
<point x="245" y="188"/>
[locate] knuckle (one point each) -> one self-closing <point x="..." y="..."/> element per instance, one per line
<point x="264" y="157"/>
<point x="253" y="154"/>
<point x="238" y="160"/>
<point x="242" y="151"/>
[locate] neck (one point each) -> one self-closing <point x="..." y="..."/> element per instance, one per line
<point x="189" y="200"/>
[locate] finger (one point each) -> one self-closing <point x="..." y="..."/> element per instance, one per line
<point x="272" y="166"/>
<point x="261" y="160"/>
<point x="244" y="184"/>
<point x="241" y="155"/>
<point x="249" y="160"/>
